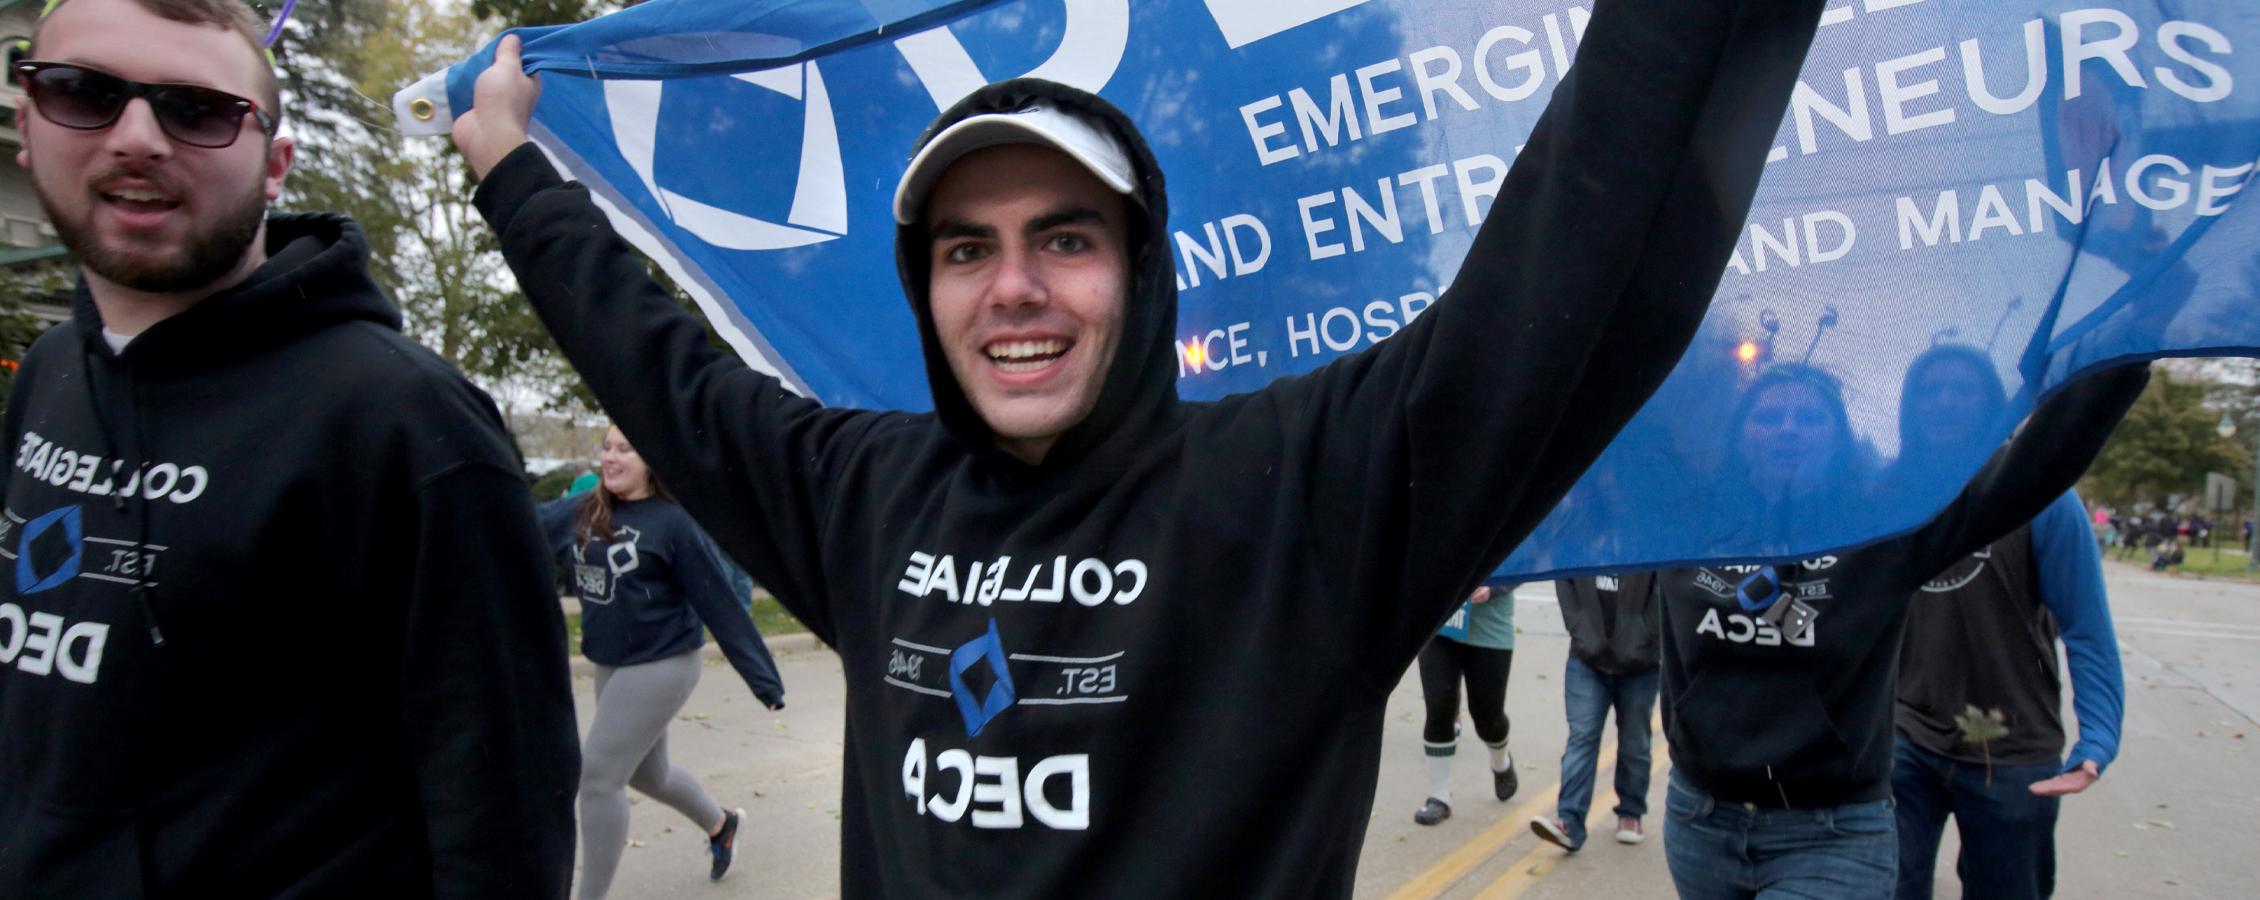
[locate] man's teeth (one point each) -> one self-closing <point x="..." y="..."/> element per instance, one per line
<point x="140" y="196"/>
<point x="1025" y="356"/>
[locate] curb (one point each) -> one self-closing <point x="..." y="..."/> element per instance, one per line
<point x="781" y="645"/>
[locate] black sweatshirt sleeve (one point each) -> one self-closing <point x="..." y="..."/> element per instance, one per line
<point x="556" y="520"/>
<point x="1454" y="438"/>
<point x="486" y="698"/>
<point x="699" y="575"/>
<point x="696" y="414"/>
<point x="2042" y="461"/>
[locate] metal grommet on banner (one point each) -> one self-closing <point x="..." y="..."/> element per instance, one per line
<point x="421" y="108"/>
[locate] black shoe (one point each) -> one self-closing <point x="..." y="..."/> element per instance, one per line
<point x="1505" y="783"/>
<point x="723" y="845"/>
<point x="1432" y="812"/>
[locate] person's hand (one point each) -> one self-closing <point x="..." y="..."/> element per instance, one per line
<point x="502" y="103"/>
<point x="774" y="707"/>
<point x="2071" y="782"/>
<point x="1482" y="595"/>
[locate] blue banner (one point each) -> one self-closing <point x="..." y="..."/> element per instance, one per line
<point x="1967" y="205"/>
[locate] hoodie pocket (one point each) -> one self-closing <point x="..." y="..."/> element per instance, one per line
<point x="51" y="851"/>
<point x="1748" y="730"/>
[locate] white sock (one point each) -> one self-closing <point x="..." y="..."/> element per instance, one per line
<point x="1501" y="760"/>
<point x="1440" y="777"/>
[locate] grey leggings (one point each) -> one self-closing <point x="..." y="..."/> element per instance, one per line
<point x="627" y="746"/>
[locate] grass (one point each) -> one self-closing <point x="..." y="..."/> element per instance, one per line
<point x="768" y="615"/>
<point x="2227" y="563"/>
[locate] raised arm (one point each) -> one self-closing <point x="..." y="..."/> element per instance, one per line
<point x="1582" y="288"/>
<point x="748" y="453"/>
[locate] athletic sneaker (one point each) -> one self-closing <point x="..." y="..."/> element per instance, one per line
<point x="1552" y="832"/>
<point x="723" y="845"/>
<point x="1628" y="830"/>
<point x="1432" y="812"/>
<point x="1505" y="783"/>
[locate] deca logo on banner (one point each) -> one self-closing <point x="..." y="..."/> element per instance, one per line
<point x="1091" y="47"/>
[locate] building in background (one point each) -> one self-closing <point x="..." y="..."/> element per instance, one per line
<point x="30" y="256"/>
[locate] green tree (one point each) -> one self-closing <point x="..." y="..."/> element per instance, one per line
<point x="431" y="251"/>
<point x="2165" y="446"/>
<point x="540" y="12"/>
<point x="18" y="327"/>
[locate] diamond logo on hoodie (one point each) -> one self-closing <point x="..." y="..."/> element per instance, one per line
<point x="48" y="550"/>
<point x="978" y="707"/>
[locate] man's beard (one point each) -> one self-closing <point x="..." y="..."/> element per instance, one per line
<point x="210" y="253"/>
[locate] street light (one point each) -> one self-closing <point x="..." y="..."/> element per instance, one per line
<point x="2227" y="430"/>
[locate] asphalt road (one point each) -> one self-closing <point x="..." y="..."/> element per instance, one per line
<point x="2173" y="818"/>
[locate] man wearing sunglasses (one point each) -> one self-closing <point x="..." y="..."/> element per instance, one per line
<point x="274" y="612"/>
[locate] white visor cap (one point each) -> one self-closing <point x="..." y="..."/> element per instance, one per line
<point x="1039" y="123"/>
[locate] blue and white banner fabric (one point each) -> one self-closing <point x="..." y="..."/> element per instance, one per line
<point x="1968" y="205"/>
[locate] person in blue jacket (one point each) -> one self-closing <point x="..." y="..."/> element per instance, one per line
<point x="647" y="579"/>
<point x="1475" y="646"/>
<point x="1978" y="718"/>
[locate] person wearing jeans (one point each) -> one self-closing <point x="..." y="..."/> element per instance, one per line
<point x="1722" y="850"/>
<point x="1612" y="666"/>
<point x="1982" y="636"/>
<point x="1779" y="677"/>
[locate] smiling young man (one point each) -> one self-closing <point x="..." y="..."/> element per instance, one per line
<point x="1101" y="642"/>
<point x="280" y="622"/>
<point x="1028" y="279"/>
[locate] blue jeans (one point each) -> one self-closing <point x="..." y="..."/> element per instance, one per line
<point x="1727" y="851"/>
<point x="1588" y="696"/>
<point x="2008" y="835"/>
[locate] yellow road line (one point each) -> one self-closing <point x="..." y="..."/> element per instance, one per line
<point x="1464" y="858"/>
<point x="1535" y="864"/>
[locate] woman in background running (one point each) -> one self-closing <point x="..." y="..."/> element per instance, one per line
<point x="647" y="579"/>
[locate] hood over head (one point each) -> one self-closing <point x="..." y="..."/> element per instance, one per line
<point x="1919" y="436"/>
<point x="1141" y="386"/>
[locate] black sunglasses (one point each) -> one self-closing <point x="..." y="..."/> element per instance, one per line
<point x="90" y="99"/>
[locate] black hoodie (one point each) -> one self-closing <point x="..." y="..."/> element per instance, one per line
<point x="1611" y="621"/>
<point x="1760" y="715"/>
<point x="1155" y="664"/>
<point x="280" y="620"/>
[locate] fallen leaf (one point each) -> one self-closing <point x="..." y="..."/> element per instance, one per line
<point x="2169" y="826"/>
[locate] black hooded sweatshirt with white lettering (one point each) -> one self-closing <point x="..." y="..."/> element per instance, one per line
<point x="279" y="620"/>
<point x="1156" y="662"/>
<point x="1761" y="715"/>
